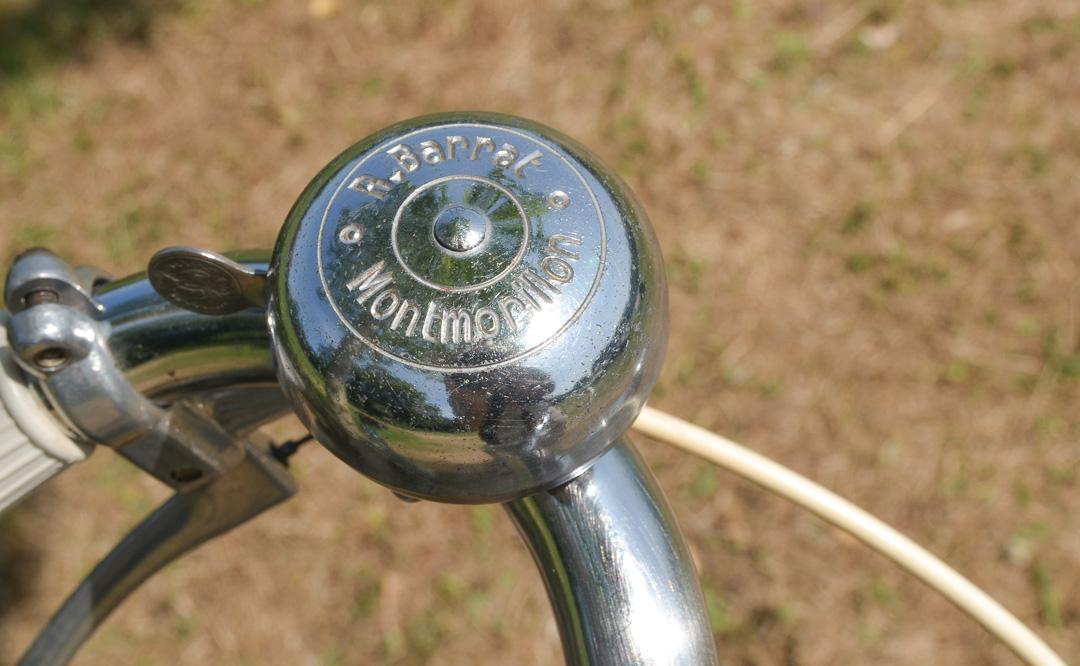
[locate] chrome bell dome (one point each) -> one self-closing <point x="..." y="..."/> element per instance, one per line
<point x="467" y="307"/>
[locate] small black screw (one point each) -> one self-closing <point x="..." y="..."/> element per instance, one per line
<point x="282" y="452"/>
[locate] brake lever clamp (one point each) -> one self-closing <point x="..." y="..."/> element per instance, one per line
<point x="467" y="307"/>
<point x="59" y="339"/>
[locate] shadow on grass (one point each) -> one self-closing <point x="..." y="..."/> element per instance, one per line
<point x="20" y="562"/>
<point x="39" y="33"/>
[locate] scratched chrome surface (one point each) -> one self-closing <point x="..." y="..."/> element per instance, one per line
<point x="168" y="352"/>
<point x="467" y="307"/>
<point x="620" y="578"/>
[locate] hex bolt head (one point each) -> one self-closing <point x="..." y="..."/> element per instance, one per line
<point x="51" y="358"/>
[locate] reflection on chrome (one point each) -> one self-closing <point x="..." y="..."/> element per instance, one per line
<point x="620" y="578"/>
<point x="464" y="367"/>
<point x="479" y="375"/>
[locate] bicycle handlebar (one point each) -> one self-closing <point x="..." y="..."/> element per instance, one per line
<point x="466" y="308"/>
<point x="613" y="561"/>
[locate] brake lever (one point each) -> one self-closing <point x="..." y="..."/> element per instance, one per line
<point x="186" y="520"/>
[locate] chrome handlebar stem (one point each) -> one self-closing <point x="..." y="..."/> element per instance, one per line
<point x="620" y="578"/>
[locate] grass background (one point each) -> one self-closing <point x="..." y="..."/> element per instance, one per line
<point x="870" y="212"/>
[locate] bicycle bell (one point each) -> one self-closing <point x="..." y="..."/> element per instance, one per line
<point x="467" y="307"/>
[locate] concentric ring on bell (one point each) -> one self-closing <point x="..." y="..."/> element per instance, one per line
<point x="503" y="245"/>
<point x="500" y="323"/>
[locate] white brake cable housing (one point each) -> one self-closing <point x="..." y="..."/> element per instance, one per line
<point x="879" y="536"/>
<point x="33" y="446"/>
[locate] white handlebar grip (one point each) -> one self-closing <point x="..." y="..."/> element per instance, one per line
<point x="33" y="445"/>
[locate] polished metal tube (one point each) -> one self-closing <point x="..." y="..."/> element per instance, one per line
<point x="181" y="524"/>
<point x="620" y="578"/>
<point x="167" y="352"/>
<point x="162" y="348"/>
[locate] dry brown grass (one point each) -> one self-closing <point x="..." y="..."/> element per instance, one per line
<point x="871" y="216"/>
